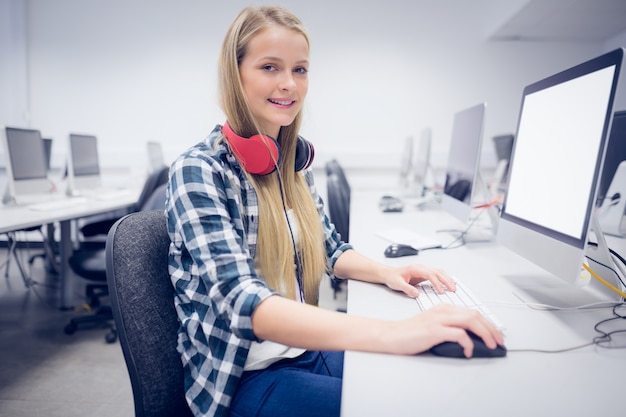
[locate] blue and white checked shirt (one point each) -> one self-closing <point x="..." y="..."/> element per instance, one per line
<point x="212" y="217"/>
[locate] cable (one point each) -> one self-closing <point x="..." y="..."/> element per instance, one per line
<point x="603" y="281"/>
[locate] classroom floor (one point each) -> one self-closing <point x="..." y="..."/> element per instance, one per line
<point x="44" y="372"/>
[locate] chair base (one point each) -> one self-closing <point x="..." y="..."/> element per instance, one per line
<point x="102" y="315"/>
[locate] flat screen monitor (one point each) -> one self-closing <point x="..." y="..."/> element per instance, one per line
<point x="615" y="154"/>
<point x="463" y="162"/>
<point x="47" y="146"/>
<point x="503" y="145"/>
<point x="416" y="163"/>
<point x="421" y="159"/>
<point x="26" y="163"/>
<point x="555" y="165"/>
<point x="156" y="161"/>
<point x="83" y="163"/>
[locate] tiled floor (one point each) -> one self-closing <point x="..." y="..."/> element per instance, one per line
<point x="44" y="372"/>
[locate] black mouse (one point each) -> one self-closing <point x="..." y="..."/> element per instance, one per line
<point x="395" y="250"/>
<point x="455" y="350"/>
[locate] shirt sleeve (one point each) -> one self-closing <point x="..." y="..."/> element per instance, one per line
<point x="213" y="270"/>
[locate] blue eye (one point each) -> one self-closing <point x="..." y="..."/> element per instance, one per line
<point x="301" y="70"/>
<point x="269" y="67"/>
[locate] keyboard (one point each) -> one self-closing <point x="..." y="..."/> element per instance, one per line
<point x="429" y="298"/>
<point x="407" y="237"/>
<point x="59" y="204"/>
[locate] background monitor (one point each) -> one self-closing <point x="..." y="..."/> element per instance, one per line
<point x="463" y="162"/>
<point x="156" y="161"/>
<point x="503" y="146"/>
<point x="557" y="155"/>
<point x="26" y="163"/>
<point x="83" y="163"/>
<point x="615" y="154"/>
<point x="47" y="146"/>
<point x="421" y="160"/>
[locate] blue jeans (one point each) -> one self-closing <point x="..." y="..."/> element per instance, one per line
<point x="309" y="385"/>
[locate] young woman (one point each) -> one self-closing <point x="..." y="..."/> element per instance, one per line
<point x="250" y="243"/>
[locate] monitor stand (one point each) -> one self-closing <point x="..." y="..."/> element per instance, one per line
<point x="611" y="213"/>
<point x="475" y="230"/>
<point x="585" y="290"/>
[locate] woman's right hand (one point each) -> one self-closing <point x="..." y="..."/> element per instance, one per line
<point x="443" y="323"/>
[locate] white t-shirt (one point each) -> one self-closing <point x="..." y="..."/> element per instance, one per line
<point x="263" y="354"/>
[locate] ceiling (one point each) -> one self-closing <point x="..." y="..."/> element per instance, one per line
<point x="565" y="20"/>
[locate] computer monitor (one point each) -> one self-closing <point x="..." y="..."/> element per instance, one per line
<point x="462" y="170"/>
<point x="615" y="154"/>
<point x="83" y="164"/>
<point x="503" y="145"/>
<point x="416" y="164"/>
<point x="156" y="160"/>
<point x="47" y="146"/>
<point x="557" y="156"/>
<point x="26" y="164"/>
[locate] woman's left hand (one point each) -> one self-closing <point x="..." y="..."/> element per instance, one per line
<point x="405" y="279"/>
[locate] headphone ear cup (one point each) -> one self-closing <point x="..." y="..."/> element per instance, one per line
<point x="305" y="152"/>
<point x="257" y="154"/>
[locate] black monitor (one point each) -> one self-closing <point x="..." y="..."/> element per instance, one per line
<point x="548" y="209"/>
<point x="83" y="164"/>
<point x="615" y="154"/>
<point x="503" y="145"/>
<point x="47" y="146"/>
<point x="26" y="163"/>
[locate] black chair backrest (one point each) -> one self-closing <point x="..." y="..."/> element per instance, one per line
<point x="339" y="205"/>
<point x="142" y="299"/>
<point x="154" y="180"/>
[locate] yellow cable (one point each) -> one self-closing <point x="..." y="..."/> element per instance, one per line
<point x="602" y="280"/>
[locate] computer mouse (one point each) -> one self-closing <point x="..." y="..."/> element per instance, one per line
<point x="455" y="350"/>
<point x="396" y="250"/>
<point x="390" y="204"/>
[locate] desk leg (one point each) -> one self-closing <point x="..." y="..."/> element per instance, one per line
<point x="66" y="276"/>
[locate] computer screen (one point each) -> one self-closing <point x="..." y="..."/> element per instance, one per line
<point x="421" y="160"/>
<point x="557" y="155"/>
<point x="47" y="146"/>
<point x="156" y="161"/>
<point x="83" y="163"/>
<point x="26" y="163"/>
<point x="463" y="162"/>
<point x="503" y="145"/>
<point x="615" y="153"/>
<point x="415" y="164"/>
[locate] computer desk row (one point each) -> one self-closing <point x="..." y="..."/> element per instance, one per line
<point x="13" y="218"/>
<point x="585" y="381"/>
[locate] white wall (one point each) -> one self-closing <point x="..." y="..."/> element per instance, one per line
<point x="132" y="71"/>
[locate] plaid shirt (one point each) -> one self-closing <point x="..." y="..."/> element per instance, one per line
<point x="212" y="215"/>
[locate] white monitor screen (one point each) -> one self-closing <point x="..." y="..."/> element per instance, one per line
<point x="556" y="161"/>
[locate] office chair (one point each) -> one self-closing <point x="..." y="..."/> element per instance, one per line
<point x="338" y="202"/>
<point x="142" y="299"/>
<point x="89" y="261"/>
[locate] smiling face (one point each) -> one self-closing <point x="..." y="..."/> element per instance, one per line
<point x="274" y="75"/>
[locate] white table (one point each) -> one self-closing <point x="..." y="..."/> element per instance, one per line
<point x="19" y="217"/>
<point x="581" y="382"/>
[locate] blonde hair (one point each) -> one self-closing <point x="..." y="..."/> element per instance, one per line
<point x="274" y="237"/>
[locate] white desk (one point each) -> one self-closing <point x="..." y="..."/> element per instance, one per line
<point x="16" y="218"/>
<point x="582" y="382"/>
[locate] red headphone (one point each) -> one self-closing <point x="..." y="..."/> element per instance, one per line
<point x="257" y="153"/>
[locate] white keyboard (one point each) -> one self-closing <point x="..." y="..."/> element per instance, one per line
<point x="57" y="204"/>
<point x="429" y="298"/>
<point x="407" y="237"/>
